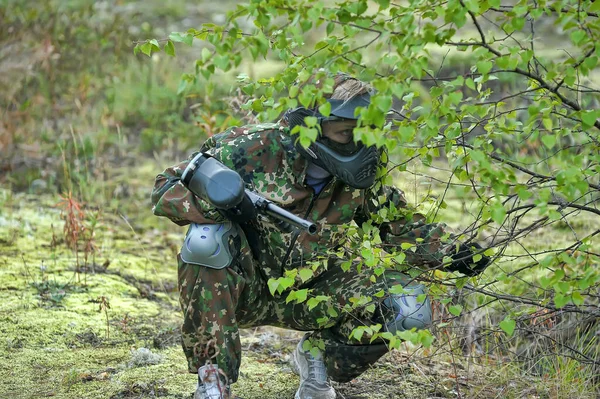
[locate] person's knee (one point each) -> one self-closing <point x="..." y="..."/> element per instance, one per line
<point x="401" y="312"/>
<point x="208" y="245"/>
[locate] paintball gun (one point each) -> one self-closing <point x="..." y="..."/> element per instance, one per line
<point x="223" y="188"/>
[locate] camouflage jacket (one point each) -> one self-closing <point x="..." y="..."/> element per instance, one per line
<point x="265" y="158"/>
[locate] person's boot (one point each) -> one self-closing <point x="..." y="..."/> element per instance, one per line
<point x="313" y="375"/>
<point x="210" y="384"/>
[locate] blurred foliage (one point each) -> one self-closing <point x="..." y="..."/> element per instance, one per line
<point x="76" y="101"/>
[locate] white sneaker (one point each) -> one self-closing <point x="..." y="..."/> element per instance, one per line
<point x="313" y="375"/>
<point x="210" y="384"/>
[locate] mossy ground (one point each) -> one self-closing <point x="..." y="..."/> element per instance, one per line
<point x="58" y="340"/>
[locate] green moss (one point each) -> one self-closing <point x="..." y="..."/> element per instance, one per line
<point x="55" y="340"/>
<point x="64" y="347"/>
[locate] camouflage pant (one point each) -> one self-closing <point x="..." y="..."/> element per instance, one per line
<point x="217" y="302"/>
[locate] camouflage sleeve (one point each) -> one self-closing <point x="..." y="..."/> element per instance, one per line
<point x="171" y="199"/>
<point x="399" y="223"/>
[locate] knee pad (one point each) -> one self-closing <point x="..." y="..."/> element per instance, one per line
<point x="208" y="245"/>
<point x="403" y="312"/>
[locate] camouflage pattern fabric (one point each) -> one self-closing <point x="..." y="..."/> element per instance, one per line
<point x="218" y="302"/>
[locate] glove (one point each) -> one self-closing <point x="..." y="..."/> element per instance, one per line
<point x="463" y="260"/>
<point x="242" y="212"/>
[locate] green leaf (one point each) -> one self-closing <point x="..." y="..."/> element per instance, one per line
<point x="273" y="285"/>
<point x="523" y="193"/>
<point x="590" y="62"/>
<point x="560" y="300"/>
<point x="325" y="109"/>
<point x="484" y="66"/>
<point x="170" y="48"/>
<point x="146" y="48"/>
<point x="562" y="287"/>
<point x="518" y="23"/>
<point x="301" y="295"/>
<point x="459" y="17"/>
<point x="549" y="140"/>
<point x="472" y="5"/>
<point x="285" y="283"/>
<point x="461" y="282"/>
<point x="181" y="38"/>
<point x="400" y="257"/>
<point x="305" y="274"/>
<point x="383" y="4"/>
<point x="188" y="39"/>
<point x="291" y="296"/>
<point x="426" y="338"/>
<point x="330" y="27"/>
<point x="305" y="141"/>
<point x="508" y="326"/>
<point x="470" y="84"/>
<point x="176" y="37"/>
<point x="384" y="103"/>
<point x="503" y="62"/>
<point x="205" y="54"/>
<point x="498" y="212"/>
<point x="589" y="117"/>
<point x="396" y="289"/>
<point x="222" y="62"/>
<point x="595" y="6"/>
<point x="577" y="298"/>
<point x="456" y="310"/>
<point x="305" y="99"/>
<point x="310" y="121"/>
<point x="182" y="86"/>
<point x="312" y="303"/>
<point x="578" y="35"/>
<point x="358" y="333"/>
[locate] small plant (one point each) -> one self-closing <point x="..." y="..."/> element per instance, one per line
<point x="49" y="291"/>
<point x="73" y="215"/>
<point x="125" y="323"/>
<point x="79" y="231"/>
<point x="71" y="378"/>
<point x="90" y="247"/>
<point x="103" y="306"/>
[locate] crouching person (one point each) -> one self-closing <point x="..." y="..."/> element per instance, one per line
<point x="230" y="254"/>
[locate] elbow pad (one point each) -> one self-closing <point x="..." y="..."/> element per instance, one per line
<point x="214" y="182"/>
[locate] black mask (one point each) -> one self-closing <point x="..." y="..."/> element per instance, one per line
<point x="353" y="163"/>
<point x="345" y="149"/>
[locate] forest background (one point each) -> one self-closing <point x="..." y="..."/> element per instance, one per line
<point x="496" y="134"/>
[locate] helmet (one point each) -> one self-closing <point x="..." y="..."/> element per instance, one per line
<point x="353" y="163"/>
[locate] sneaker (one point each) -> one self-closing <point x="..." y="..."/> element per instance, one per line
<point x="210" y="384"/>
<point x="313" y="375"/>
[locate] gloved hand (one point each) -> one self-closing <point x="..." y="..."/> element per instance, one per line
<point x="241" y="213"/>
<point x="463" y="260"/>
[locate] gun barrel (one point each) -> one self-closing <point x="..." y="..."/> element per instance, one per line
<point x="269" y="208"/>
<point x="288" y="217"/>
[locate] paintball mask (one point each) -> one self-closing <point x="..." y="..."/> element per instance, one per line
<point x="353" y="163"/>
